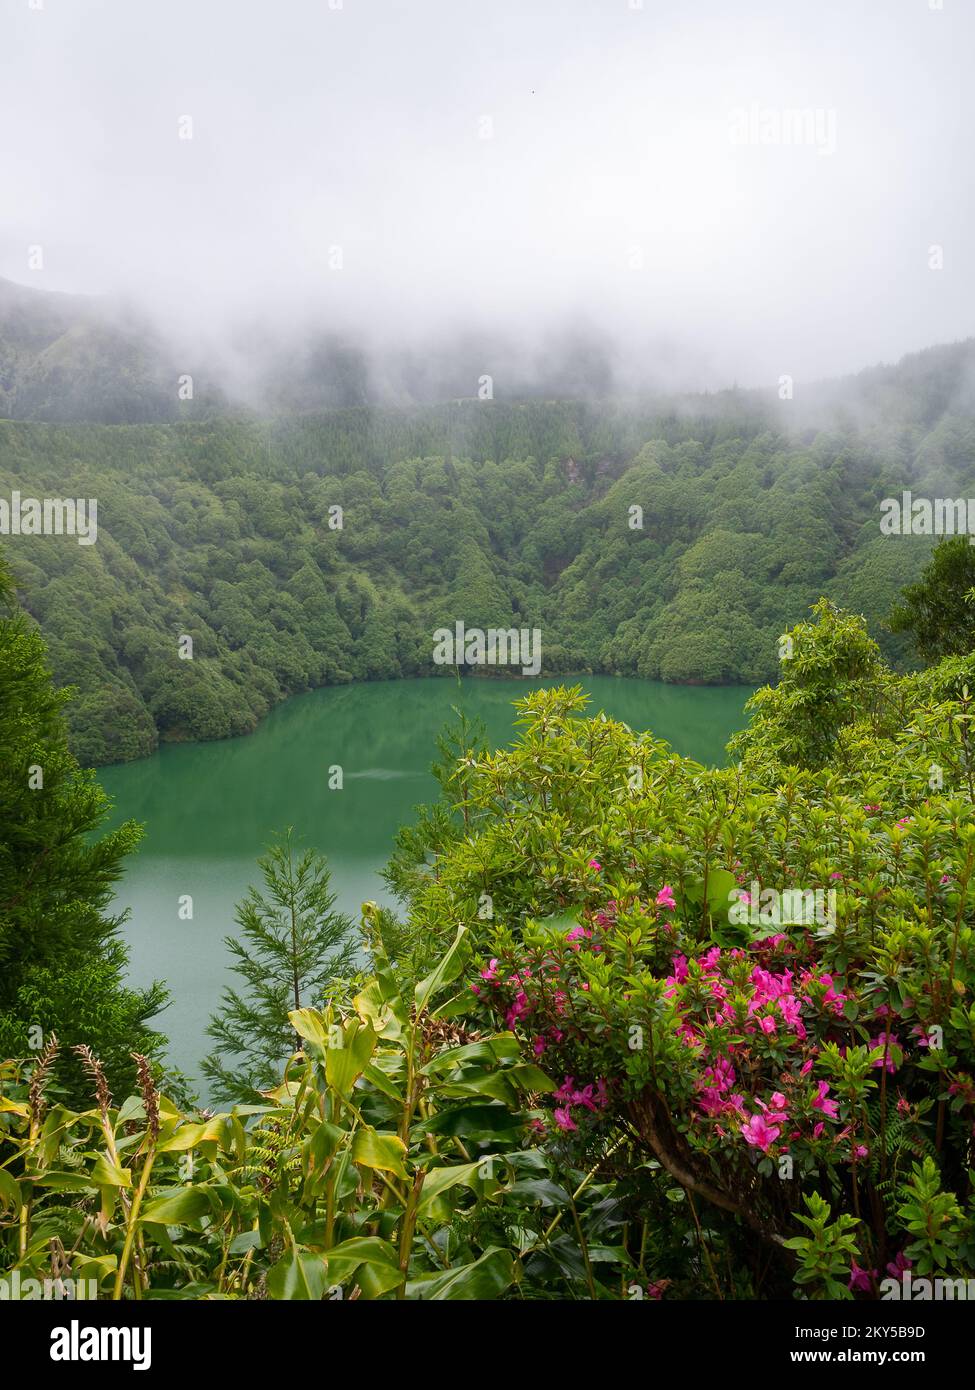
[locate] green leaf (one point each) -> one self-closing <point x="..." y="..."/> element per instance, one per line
<point x="108" y="1174"/>
<point x="486" y="1278"/>
<point x="189" y="1135"/>
<point x="10" y="1193"/>
<point x="344" y="1065"/>
<point x="382" y="1151"/>
<point x="310" y="1025"/>
<point x="530" y="1078"/>
<point x="481" y="1083"/>
<point x="378" y="1257"/>
<point x="561" y="922"/>
<point x="440" y="1180"/>
<point x="377" y="1077"/>
<point x="472" y="1121"/>
<point x="177" y="1208"/>
<point x="448" y="969"/>
<point x="299" y="1274"/>
<point x="540" y="1190"/>
<point x="64" y="1182"/>
<point x="502" y="1047"/>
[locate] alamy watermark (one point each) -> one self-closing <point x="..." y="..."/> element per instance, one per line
<point x="473" y="646"/>
<point x="14" y="1289"/>
<point x="814" y="126"/>
<point x="77" y="1343"/>
<point x="773" y="907"/>
<point x="50" y="516"/>
<point x="909" y="1287"/>
<point x="927" y="516"/>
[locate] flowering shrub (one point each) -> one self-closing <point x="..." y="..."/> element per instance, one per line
<point x="756" y="1065"/>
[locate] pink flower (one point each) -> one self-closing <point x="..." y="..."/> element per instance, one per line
<point x="665" y="898"/>
<point x="899" y="1265"/>
<point x="538" y="1046"/>
<point x="518" y="1008"/>
<point x="806" y="1067"/>
<point x="767" y="1024"/>
<point x="834" y="999"/>
<point x="860" y="1278"/>
<point x="577" y="933"/>
<point x="861" y="1151"/>
<point x="778" y="1101"/>
<point x="476" y="989"/>
<point x="721" y="1074"/>
<point x="759" y="1133"/>
<point x="564" y="1093"/>
<point x="889" y="1041"/>
<point x="828" y="1107"/>
<point x="491" y="973"/>
<point x="595" y="864"/>
<point x="584" y="1098"/>
<point x="791" y="1011"/>
<point x="564" y="1120"/>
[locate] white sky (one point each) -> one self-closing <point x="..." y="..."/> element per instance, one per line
<point x="612" y="130"/>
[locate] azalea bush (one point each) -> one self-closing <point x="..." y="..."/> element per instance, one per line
<point x="781" y="1072"/>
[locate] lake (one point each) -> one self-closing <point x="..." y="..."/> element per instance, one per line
<point x="210" y="809"/>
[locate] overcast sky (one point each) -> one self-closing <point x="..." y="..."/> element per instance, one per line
<point x="507" y="162"/>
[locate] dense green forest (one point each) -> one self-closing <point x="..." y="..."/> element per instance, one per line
<point x="500" y="514"/>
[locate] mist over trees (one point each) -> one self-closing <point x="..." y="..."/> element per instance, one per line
<point x="296" y="552"/>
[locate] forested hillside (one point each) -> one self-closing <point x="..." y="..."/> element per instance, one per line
<point x="497" y="514"/>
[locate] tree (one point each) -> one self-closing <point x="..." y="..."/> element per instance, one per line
<point x="832" y="679"/>
<point x="62" y="962"/>
<point x="937" y="610"/>
<point x="294" y="947"/>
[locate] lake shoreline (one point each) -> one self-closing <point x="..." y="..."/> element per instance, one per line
<point x="487" y="676"/>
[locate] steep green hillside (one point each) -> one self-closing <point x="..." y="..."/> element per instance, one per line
<point x="500" y="515"/>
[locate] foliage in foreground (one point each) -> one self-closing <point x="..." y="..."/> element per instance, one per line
<point x="395" y="1160"/>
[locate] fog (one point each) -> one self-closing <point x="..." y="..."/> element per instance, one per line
<point x="709" y="193"/>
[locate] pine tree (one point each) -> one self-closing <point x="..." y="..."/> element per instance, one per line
<point x="293" y="948"/>
<point x="62" y="961"/>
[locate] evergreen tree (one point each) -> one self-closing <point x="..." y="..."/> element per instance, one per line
<point x="293" y="948"/>
<point x="938" y="610"/>
<point x="62" y="961"/>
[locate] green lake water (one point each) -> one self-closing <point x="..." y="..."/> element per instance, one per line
<point x="209" y="809"/>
